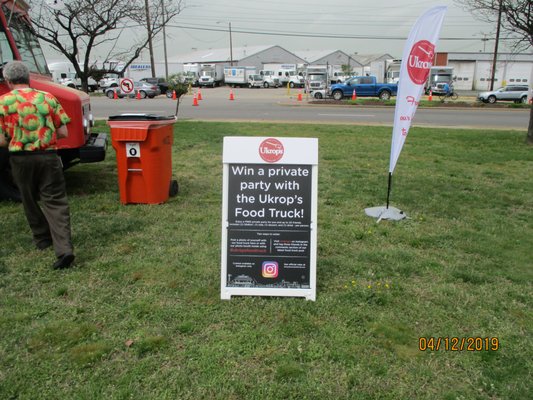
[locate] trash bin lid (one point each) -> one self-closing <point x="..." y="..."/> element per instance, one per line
<point x="140" y="117"/>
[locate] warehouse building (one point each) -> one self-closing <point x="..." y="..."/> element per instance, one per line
<point x="251" y="56"/>
<point x="473" y="71"/>
<point x="330" y="57"/>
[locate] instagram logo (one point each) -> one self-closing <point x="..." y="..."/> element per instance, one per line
<point x="270" y="269"/>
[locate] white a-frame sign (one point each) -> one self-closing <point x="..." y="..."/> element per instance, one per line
<point x="269" y="217"/>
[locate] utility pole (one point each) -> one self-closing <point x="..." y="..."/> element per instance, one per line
<point x="150" y="46"/>
<point x="230" y="46"/>
<point x="496" y="45"/>
<point x="164" y="38"/>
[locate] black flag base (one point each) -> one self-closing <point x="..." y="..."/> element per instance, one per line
<point x="385" y="212"/>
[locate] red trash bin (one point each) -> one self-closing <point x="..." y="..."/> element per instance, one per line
<point x="143" y="144"/>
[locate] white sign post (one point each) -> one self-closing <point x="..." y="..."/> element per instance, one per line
<point x="269" y="217"/>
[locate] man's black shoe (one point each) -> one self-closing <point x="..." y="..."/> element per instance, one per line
<point x="64" y="261"/>
<point x="44" y="244"/>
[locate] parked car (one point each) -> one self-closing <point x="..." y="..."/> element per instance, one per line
<point x="161" y="82"/>
<point x="145" y="89"/>
<point x="516" y="93"/>
<point x="319" y="94"/>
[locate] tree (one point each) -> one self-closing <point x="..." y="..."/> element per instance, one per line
<point x="347" y="69"/>
<point x="75" y="28"/>
<point x="516" y="22"/>
<point x="178" y="85"/>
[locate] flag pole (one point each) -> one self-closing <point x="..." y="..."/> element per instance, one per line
<point x="389" y="188"/>
<point x="417" y="59"/>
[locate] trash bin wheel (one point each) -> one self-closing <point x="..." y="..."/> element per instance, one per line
<point x="174" y="188"/>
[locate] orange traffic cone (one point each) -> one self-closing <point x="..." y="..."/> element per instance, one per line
<point x="195" y="100"/>
<point x="231" y="96"/>
<point x="199" y="94"/>
<point x="354" y="95"/>
<point x="430" y="98"/>
<point x="174" y="97"/>
<point x="300" y="95"/>
<point x="138" y="95"/>
<point x="115" y="95"/>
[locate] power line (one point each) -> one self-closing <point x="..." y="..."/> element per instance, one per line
<point x="314" y="35"/>
<point x="294" y="21"/>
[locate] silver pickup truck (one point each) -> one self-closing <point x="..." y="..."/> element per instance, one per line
<point x="516" y="93"/>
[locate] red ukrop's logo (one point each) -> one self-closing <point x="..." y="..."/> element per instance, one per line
<point x="271" y="150"/>
<point x="420" y="61"/>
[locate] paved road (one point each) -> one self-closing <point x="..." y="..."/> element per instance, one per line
<point x="276" y="105"/>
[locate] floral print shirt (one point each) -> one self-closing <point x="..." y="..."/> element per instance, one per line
<point x="30" y="118"/>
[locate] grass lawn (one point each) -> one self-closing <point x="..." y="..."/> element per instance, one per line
<point x="140" y="315"/>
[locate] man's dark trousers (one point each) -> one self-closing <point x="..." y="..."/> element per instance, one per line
<point x="39" y="176"/>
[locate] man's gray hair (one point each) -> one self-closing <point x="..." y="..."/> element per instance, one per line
<point x="16" y="72"/>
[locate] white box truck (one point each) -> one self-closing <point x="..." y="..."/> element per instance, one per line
<point x="63" y="72"/>
<point x="211" y="75"/>
<point x="191" y="73"/>
<point x="238" y="76"/>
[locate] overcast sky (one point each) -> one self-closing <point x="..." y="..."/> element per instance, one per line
<point x="376" y="26"/>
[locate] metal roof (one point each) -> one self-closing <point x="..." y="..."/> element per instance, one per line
<point x="312" y="56"/>
<point x="220" y="55"/>
<point x="366" y="59"/>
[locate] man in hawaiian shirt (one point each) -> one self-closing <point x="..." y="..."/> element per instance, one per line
<point x="31" y="121"/>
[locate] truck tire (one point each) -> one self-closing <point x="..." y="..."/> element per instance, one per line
<point x="491" y="99"/>
<point x="523" y="100"/>
<point x="292" y="85"/>
<point x="337" y="94"/>
<point x="385" y="95"/>
<point x="318" y="95"/>
<point x="266" y="85"/>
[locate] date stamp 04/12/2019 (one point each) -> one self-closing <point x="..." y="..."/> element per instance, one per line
<point x="470" y="343"/>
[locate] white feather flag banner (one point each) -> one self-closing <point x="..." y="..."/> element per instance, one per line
<point x="417" y="59"/>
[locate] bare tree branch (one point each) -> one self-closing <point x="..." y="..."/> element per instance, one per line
<point x="80" y="26"/>
<point x="517" y="22"/>
<point x="517" y="16"/>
